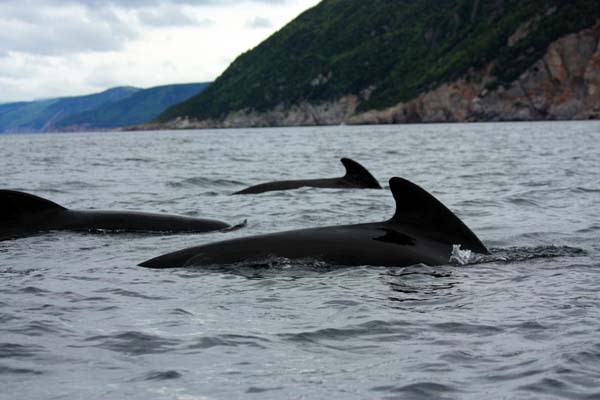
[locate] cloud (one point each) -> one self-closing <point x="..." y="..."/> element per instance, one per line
<point x="260" y="23"/>
<point x="27" y="77"/>
<point x="146" y="3"/>
<point x="136" y="4"/>
<point x="54" y="27"/>
<point x="53" y="48"/>
<point x="17" y="68"/>
<point x="170" y="17"/>
<point x="49" y="32"/>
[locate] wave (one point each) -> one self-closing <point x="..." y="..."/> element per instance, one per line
<point x="228" y="340"/>
<point x="130" y="293"/>
<point x="159" y="376"/>
<point x="421" y="390"/>
<point x="132" y="342"/>
<point x="204" y="182"/>
<point x="4" y="370"/>
<point x="15" y="350"/>
<point x="519" y="254"/>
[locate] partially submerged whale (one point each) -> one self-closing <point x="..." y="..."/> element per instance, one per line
<point x="357" y="177"/>
<point x="422" y="230"/>
<point x="23" y="214"/>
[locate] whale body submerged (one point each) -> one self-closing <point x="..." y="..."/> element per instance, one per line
<point x="357" y="177"/>
<point x="23" y="214"/>
<point x="422" y="230"/>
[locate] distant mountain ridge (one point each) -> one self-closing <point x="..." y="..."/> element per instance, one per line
<point x="42" y="115"/>
<point x="112" y="108"/>
<point x="352" y="61"/>
<point x="139" y="107"/>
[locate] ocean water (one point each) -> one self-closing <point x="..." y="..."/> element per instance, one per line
<point x="79" y="319"/>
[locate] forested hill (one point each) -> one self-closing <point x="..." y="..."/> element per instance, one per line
<point x="385" y="53"/>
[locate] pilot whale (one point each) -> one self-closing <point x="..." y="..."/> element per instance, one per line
<point x="422" y="230"/>
<point x="23" y="214"/>
<point x="357" y="177"/>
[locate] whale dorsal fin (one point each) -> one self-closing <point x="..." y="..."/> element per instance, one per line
<point x="418" y="208"/>
<point x="14" y="204"/>
<point x="359" y="174"/>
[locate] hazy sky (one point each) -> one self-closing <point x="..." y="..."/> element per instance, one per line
<point x="52" y="48"/>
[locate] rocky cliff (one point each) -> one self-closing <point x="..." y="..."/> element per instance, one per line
<point x="563" y="85"/>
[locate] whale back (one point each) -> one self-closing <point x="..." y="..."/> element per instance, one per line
<point x="417" y="208"/>
<point x="14" y="204"/>
<point x="359" y="175"/>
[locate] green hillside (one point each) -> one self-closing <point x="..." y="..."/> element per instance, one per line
<point x="137" y="108"/>
<point x="396" y="48"/>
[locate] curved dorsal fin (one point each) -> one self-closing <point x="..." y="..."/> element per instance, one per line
<point x="14" y="204"/>
<point x="418" y="208"/>
<point x="359" y="174"/>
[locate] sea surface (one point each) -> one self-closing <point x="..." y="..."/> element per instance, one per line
<point x="80" y="320"/>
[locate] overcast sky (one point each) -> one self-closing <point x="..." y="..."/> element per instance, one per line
<point x="53" y="48"/>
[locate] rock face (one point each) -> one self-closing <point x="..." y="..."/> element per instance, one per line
<point x="563" y="85"/>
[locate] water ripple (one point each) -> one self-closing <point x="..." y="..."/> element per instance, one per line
<point x="383" y="330"/>
<point x="205" y="182"/>
<point x="229" y="341"/>
<point x="419" y="390"/>
<point x="519" y="254"/>
<point x="15" y="350"/>
<point x="79" y="320"/>
<point x="130" y="293"/>
<point x="18" y="371"/>
<point x="160" y="376"/>
<point x="133" y="343"/>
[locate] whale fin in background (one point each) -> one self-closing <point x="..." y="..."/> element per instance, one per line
<point x="359" y="174"/>
<point x="14" y="204"/>
<point x="418" y="208"/>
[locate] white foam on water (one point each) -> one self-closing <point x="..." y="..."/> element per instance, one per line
<point x="462" y="257"/>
